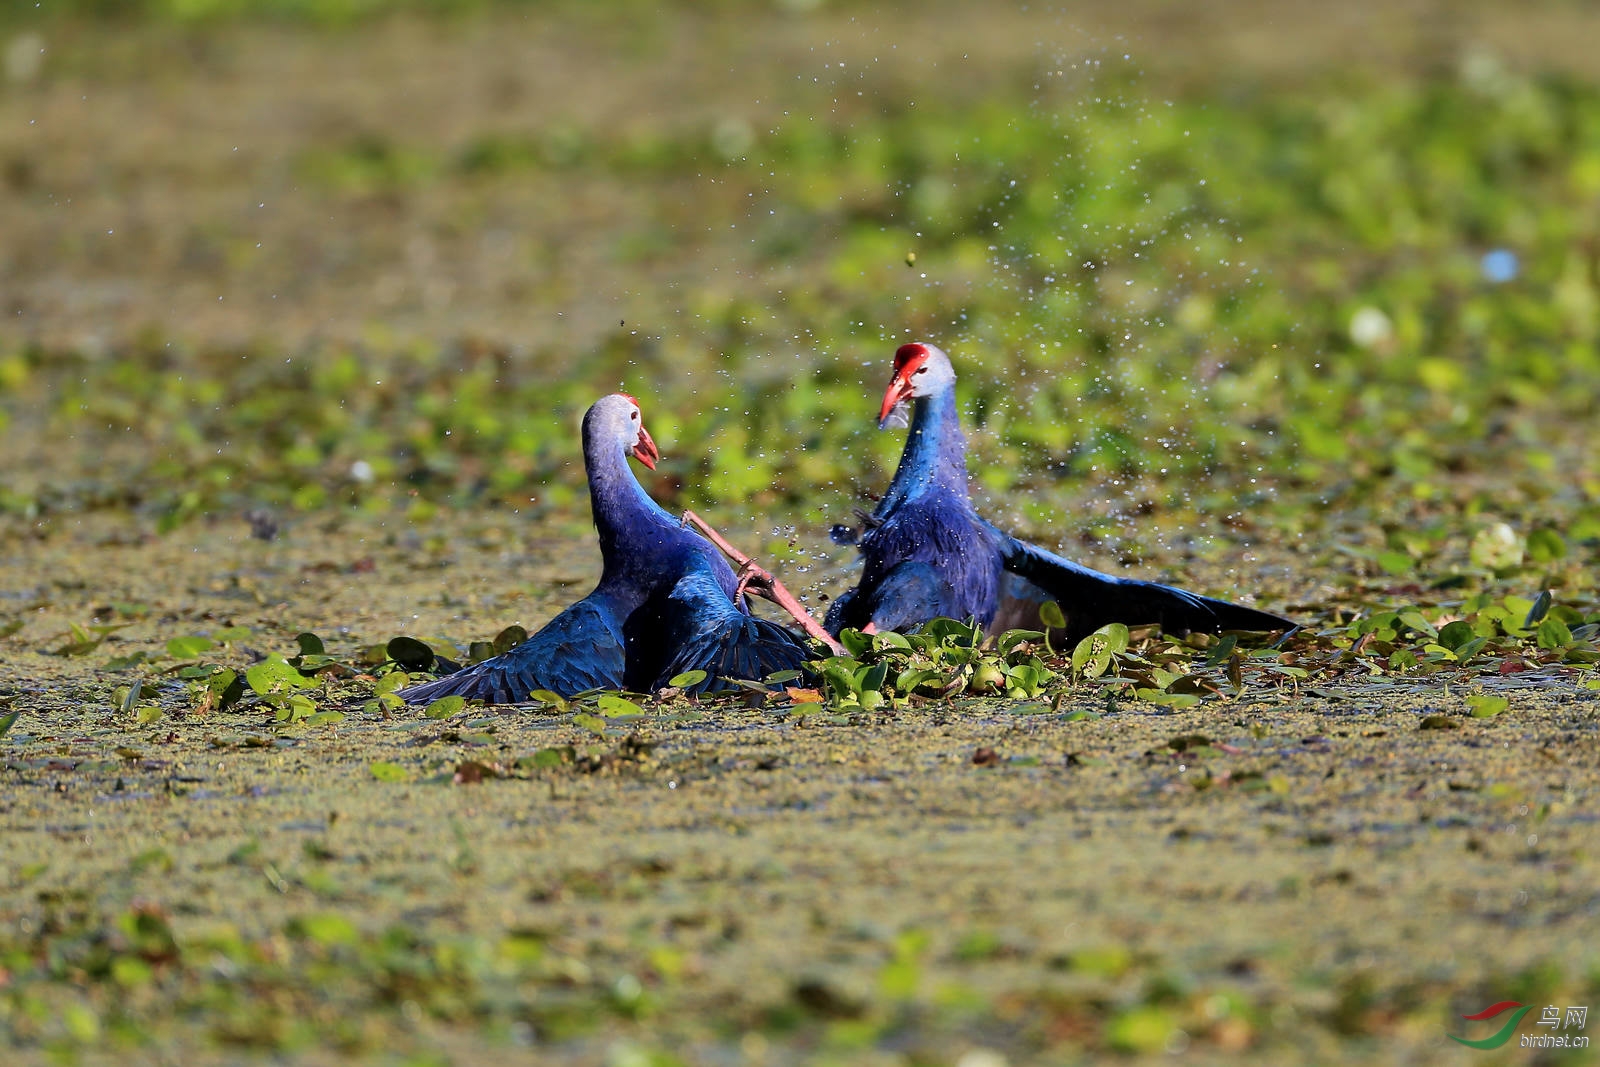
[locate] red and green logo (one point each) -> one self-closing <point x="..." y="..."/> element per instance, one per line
<point x="1501" y="1036"/>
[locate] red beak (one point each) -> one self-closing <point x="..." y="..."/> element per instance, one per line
<point x="898" y="392"/>
<point x="644" y="450"/>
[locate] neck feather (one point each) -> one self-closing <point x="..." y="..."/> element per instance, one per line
<point x="935" y="457"/>
<point x="623" y="511"/>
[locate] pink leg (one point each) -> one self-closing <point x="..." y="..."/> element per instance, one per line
<point x="758" y="580"/>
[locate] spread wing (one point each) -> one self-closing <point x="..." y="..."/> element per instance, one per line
<point x="578" y="650"/>
<point x="1090" y="600"/>
<point x="697" y="627"/>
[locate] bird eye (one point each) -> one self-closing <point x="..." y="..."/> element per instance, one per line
<point x="920" y="370"/>
<point x="634" y="416"/>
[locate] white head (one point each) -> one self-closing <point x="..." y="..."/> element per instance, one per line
<point x="919" y="370"/>
<point x="616" y="418"/>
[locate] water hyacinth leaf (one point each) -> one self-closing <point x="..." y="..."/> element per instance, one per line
<point x="545" y="696"/>
<point x="310" y="644"/>
<point x="855" y="642"/>
<point x="509" y="638"/>
<point x="1456" y="634"/>
<point x="890" y="639"/>
<point x="8" y="720"/>
<point x="384" y="771"/>
<point x="1485" y="706"/>
<point x="229" y="634"/>
<point x="1094" y="653"/>
<point x="1414" y="619"/>
<point x="1554" y="634"/>
<point x="1546" y="545"/>
<point x="325" y="718"/>
<point x="478" y="651"/>
<point x="547" y="757"/>
<point x="444" y="707"/>
<point x="840" y="678"/>
<point x="613" y="706"/>
<point x="870" y="679"/>
<point x="391" y="682"/>
<point x="189" y="647"/>
<point x="593" y="723"/>
<point x="688" y="679"/>
<point x="1051" y="615"/>
<point x="410" y="653"/>
<point x="1540" y="608"/>
<point x="1218" y="653"/>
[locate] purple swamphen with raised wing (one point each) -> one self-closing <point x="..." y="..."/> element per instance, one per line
<point x="667" y="601"/>
<point x="929" y="554"/>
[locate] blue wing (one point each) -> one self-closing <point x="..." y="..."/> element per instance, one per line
<point x="909" y="595"/>
<point x="697" y="627"/>
<point x="1090" y="600"/>
<point x="578" y="650"/>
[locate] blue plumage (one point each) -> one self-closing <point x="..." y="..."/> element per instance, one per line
<point x="665" y="603"/>
<point x="927" y="552"/>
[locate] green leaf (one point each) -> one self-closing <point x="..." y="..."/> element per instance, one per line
<point x="509" y="638"/>
<point x="593" y="723"/>
<point x="1456" y="634"/>
<point x="855" y="642"/>
<point x="8" y="720"/>
<point x="325" y="718"/>
<point x="310" y="644"/>
<point x="1094" y="653"/>
<point x="1546" y="545"/>
<point x="545" y="696"/>
<point x="613" y="706"/>
<point x="840" y="676"/>
<point x="1219" y="652"/>
<point x="1541" y="608"/>
<point x="385" y="771"/>
<point x="1051" y="615"/>
<point x="687" y="679"/>
<point x="188" y="647"/>
<point x="390" y="682"/>
<point x="870" y="679"/>
<point x="445" y="707"/>
<point x="1553" y="633"/>
<point x="547" y="757"/>
<point x="1485" y="706"/>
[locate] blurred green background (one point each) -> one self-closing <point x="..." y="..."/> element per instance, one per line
<point x="1201" y="268"/>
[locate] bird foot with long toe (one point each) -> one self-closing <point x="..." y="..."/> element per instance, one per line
<point x="757" y="579"/>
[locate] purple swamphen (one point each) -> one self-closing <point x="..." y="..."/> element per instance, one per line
<point x="667" y="601"/>
<point x="929" y="554"/>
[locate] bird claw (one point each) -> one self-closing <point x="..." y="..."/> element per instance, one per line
<point x="757" y="579"/>
<point x="754" y="578"/>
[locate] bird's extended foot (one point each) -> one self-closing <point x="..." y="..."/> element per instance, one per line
<point x="757" y="579"/>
